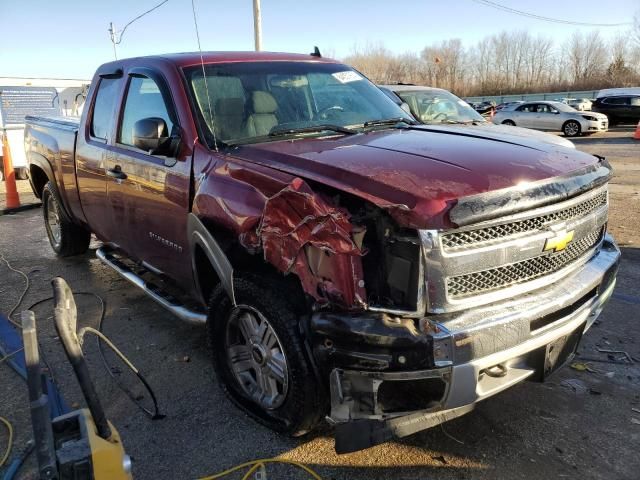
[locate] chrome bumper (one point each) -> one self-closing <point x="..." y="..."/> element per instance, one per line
<point x="473" y="346"/>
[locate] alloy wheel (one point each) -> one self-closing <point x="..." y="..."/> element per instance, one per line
<point x="53" y="220"/>
<point x="256" y="357"/>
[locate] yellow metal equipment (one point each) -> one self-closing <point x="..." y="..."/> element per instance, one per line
<point x="83" y="444"/>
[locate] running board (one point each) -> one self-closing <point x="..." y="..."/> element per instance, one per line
<point x="164" y="299"/>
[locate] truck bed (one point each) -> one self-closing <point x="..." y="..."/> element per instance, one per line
<point x="51" y="146"/>
<point x="64" y="123"/>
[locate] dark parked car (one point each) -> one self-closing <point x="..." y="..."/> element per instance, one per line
<point x="484" y="107"/>
<point x="619" y="108"/>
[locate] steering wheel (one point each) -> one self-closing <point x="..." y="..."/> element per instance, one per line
<point x="325" y="112"/>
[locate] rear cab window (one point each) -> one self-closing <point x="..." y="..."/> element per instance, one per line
<point x="103" y="107"/>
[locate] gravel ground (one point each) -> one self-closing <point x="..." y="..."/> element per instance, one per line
<point x="530" y="431"/>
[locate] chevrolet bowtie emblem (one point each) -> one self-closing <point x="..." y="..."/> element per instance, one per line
<point x="559" y="242"/>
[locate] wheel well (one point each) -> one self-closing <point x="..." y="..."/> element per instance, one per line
<point x="243" y="261"/>
<point x="207" y="276"/>
<point x="508" y="121"/>
<point x="39" y="179"/>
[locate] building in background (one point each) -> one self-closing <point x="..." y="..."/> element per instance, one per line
<point x="21" y="96"/>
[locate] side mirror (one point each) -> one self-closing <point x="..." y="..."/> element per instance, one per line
<point x="151" y="135"/>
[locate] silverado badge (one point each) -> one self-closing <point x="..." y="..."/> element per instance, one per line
<point x="559" y="242"/>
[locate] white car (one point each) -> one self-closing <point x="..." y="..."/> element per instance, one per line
<point x="580" y="104"/>
<point x="554" y="117"/>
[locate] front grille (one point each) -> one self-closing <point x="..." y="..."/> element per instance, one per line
<point x="497" y="278"/>
<point x="490" y="234"/>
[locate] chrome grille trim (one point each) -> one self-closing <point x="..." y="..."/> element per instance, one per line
<point x="521" y="272"/>
<point x="494" y="233"/>
<point x="446" y="268"/>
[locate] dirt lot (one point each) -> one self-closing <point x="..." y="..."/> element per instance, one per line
<point x="530" y="431"/>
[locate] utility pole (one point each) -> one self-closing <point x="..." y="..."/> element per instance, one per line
<point x="257" y="25"/>
<point x="113" y="35"/>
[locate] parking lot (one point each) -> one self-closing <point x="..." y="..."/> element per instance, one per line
<point x="583" y="423"/>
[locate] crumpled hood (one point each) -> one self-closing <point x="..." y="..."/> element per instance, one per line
<point x="418" y="173"/>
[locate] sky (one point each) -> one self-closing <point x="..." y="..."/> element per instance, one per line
<point x="69" y="38"/>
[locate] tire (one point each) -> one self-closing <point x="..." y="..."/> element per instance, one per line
<point x="571" y="128"/>
<point x="511" y="123"/>
<point x="297" y="404"/>
<point x="65" y="237"/>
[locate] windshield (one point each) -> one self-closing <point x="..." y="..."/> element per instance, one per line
<point x="263" y="101"/>
<point x="439" y="106"/>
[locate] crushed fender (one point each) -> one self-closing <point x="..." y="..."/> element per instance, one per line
<point x="302" y="232"/>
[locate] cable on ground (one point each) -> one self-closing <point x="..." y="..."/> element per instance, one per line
<point x="24" y="292"/>
<point x="155" y="414"/>
<point x="9" y="443"/>
<point x="256" y="464"/>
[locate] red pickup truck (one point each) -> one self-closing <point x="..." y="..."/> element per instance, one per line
<point x="348" y="262"/>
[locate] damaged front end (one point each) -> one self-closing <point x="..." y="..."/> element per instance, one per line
<point x="411" y="327"/>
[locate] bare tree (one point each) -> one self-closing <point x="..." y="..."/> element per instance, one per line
<point x="510" y="62"/>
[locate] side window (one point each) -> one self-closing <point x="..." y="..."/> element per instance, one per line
<point x="635" y="101"/>
<point x="103" y="107"/>
<point x="144" y="100"/>
<point x="526" y="108"/>
<point x="617" y="100"/>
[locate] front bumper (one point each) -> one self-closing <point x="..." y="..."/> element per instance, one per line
<point x="388" y="379"/>
<point x="596" y="125"/>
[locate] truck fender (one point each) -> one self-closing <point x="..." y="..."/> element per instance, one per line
<point x="40" y="161"/>
<point x="199" y="236"/>
<point x="43" y="164"/>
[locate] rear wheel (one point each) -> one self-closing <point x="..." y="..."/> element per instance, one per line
<point x="65" y="237"/>
<point x="571" y="128"/>
<point x="509" y="122"/>
<point x="260" y="359"/>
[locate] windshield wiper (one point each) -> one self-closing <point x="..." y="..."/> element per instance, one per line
<point x="389" y="121"/>
<point x="276" y="132"/>
<point x="460" y="122"/>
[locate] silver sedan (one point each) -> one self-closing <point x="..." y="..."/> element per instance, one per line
<point x="552" y="116"/>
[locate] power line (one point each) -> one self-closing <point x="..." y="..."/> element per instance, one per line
<point x="116" y="36"/>
<point x="489" y="3"/>
<point x="138" y="17"/>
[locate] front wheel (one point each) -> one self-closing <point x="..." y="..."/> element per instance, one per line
<point x="65" y="237"/>
<point x="571" y="129"/>
<point x="509" y="122"/>
<point x="260" y="359"/>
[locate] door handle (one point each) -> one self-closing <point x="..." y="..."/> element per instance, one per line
<point x="116" y="172"/>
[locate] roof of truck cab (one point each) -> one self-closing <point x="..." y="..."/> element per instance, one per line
<point x="187" y="59"/>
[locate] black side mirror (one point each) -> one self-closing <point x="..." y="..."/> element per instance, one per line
<point x="151" y="135"/>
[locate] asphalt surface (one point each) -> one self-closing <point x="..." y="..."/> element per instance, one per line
<point x="580" y="424"/>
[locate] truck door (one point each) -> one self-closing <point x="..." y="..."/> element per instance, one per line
<point x="148" y="193"/>
<point x="91" y="152"/>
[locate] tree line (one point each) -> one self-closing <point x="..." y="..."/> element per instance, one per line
<point x="510" y="63"/>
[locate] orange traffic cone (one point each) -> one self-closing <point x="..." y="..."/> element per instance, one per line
<point x="13" y="200"/>
<point x="636" y="136"/>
